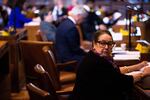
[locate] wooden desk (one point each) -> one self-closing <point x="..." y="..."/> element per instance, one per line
<point x="121" y="63"/>
<point x="141" y="93"/>
<point x="3" y="47"/>
<point x="4" y="58"/>
<point x="4" y="71"/>
<point x="15" y="57"/>
<point x="144" y="56"/>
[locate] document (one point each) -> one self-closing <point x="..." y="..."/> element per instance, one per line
<point x="126" y="55"/>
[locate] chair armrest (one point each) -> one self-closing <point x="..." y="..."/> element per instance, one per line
<point x="63" y="92"/>
<point x="65" y="89"/>
<point x="36" y="90"/>
<point x="72" y="63"/>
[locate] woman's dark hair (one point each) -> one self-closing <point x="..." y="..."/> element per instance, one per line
<point x="99" y="33"/>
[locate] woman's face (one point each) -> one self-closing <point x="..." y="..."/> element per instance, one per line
<point x="104" y="45"/>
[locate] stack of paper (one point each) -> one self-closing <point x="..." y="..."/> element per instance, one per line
<point x="126" y="55"/>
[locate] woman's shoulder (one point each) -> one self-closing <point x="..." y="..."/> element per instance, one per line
<point x="94" y="57"/>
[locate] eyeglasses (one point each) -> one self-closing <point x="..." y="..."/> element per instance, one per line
<point x="104" y="43"/>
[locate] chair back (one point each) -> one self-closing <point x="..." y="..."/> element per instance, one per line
<point x="80" y="33"/>
<point x="45" y="81"/>
<point x="50" y="62"/>
<point x="32" y="54"/>
<point x="37" y="93"/>
<point x="40" y="36"/>
<point x="86" y="45"/>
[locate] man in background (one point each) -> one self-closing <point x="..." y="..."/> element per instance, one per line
<point x="67" y="36"/>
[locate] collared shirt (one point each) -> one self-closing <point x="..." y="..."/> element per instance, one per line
<point x="72" y="19"/>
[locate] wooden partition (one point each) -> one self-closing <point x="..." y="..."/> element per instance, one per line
<point x="5" y="88"/>
<point x="31" y="31"/>
<point x="14" y="56"/>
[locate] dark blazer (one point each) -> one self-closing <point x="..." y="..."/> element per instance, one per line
<point x="68" y="42"/>
<point x="97" y="79"/>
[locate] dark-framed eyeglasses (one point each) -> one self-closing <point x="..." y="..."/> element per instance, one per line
<point x="104" y="43"/>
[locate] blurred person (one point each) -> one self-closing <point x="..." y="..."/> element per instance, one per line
<point x="46" y="25"/>
<point x="67" y="36"/>
<point x="59" y="12"/>
<point x="92" y="22"/>
<point x="3" y="17"/>
<point x="73" y="3"/>
<point x="111" y="18"/>
<point x="30" y="12"/>
<point x="16" y="18"/>
<point x="99" y="77"/>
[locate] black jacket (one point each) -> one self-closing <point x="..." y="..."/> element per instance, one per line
<point x="98" y="79"/>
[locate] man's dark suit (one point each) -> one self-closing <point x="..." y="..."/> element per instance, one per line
<point x="68" y="42"/>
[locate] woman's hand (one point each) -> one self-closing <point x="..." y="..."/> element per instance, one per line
<point x="141" y="65"/>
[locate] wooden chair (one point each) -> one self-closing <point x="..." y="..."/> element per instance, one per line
<point x="40" y="36"/>
<point x="37" y="93"/>
<point x="50" y="61"/>
<point x="32" y="54"/>
<point x="47" y="83"/>
<point x="85" y="45"/>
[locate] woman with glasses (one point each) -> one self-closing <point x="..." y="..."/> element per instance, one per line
<point x="99" y="78"/>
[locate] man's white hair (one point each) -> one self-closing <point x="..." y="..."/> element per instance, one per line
<point x="78" y="10"/>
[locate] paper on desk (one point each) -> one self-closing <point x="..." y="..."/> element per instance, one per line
<point x="127" y="55"/>
<point x="116" y="36"/>
<point x="134" y="72"/>
<point x="32" y="23"/>
<point x="117" y="50"/>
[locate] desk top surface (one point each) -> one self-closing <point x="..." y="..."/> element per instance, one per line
<point x="144" y="91"/>
<point x="20" y="33"/>
<point x="3" y="47"/>
<point x="2" y="44"/>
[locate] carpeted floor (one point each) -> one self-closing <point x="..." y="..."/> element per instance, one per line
<point x="22" y="95"/>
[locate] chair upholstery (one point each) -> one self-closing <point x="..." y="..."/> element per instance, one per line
<point x="36" y="93"/>
<point x="47" y="83"/>
<point x="33" y="54"/>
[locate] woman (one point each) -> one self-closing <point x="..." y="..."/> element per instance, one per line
<point x="98" y="77"/>
<point x="16" y="18"/>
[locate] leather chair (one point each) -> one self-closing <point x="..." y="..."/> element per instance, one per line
<point x="47" y="83"/>
<point x="36" y="93"/>
<point x="32" y="54"/>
